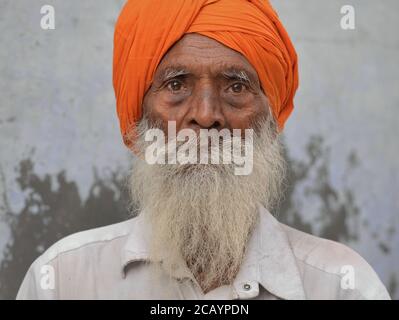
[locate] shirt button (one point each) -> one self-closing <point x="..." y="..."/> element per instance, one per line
<point x="247" y="287"/>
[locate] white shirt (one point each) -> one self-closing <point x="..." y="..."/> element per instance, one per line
<point x="112" y="262"/>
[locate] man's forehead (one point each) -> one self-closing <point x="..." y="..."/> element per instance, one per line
<point x="196" y="53"/>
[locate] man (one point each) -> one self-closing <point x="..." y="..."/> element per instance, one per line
<point x="202" y="231"/>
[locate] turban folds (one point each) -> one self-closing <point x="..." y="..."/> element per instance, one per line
<point x="146" y="29"/>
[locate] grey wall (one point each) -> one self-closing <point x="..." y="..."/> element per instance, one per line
<point x="63" y="165"/>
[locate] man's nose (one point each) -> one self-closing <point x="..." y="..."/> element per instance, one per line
<point x="205" y="110"/>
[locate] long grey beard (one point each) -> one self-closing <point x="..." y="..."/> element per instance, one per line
<point x="204" y="214"/>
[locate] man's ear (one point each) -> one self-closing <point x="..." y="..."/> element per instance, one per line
<point x="130" y="139"/>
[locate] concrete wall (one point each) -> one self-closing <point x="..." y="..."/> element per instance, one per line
<point x="63" y="165"/>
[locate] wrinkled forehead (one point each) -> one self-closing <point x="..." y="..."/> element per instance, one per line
<point x="200" y="55"/>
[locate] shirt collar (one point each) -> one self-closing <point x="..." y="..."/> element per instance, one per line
<point x="269" y="259"/>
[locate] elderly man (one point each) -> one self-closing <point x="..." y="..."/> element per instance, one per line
<point x="202" y="231"/>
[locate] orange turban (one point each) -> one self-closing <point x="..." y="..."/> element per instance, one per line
<point x="146" y="29"/>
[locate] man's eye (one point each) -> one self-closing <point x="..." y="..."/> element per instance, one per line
<point x="238" y="87"/>
<point x="174" y="85"/>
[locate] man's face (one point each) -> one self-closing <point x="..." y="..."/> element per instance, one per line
<point x="202" y="84"/>
<point x="204" y="214"/>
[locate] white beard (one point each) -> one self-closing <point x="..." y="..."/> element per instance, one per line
<point x="205" y="213"/>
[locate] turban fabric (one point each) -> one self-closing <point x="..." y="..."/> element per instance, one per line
<point x="146" y="29"/>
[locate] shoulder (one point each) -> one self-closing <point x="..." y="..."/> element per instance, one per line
<point x="339" y="270"/>
<point x="94" y="237"/>
<point x="74" y="251"/>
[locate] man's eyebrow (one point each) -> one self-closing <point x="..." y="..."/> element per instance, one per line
<point x="238" y="74"/>
<point x="172" y="72"/>
<point x="231" y="73"/>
